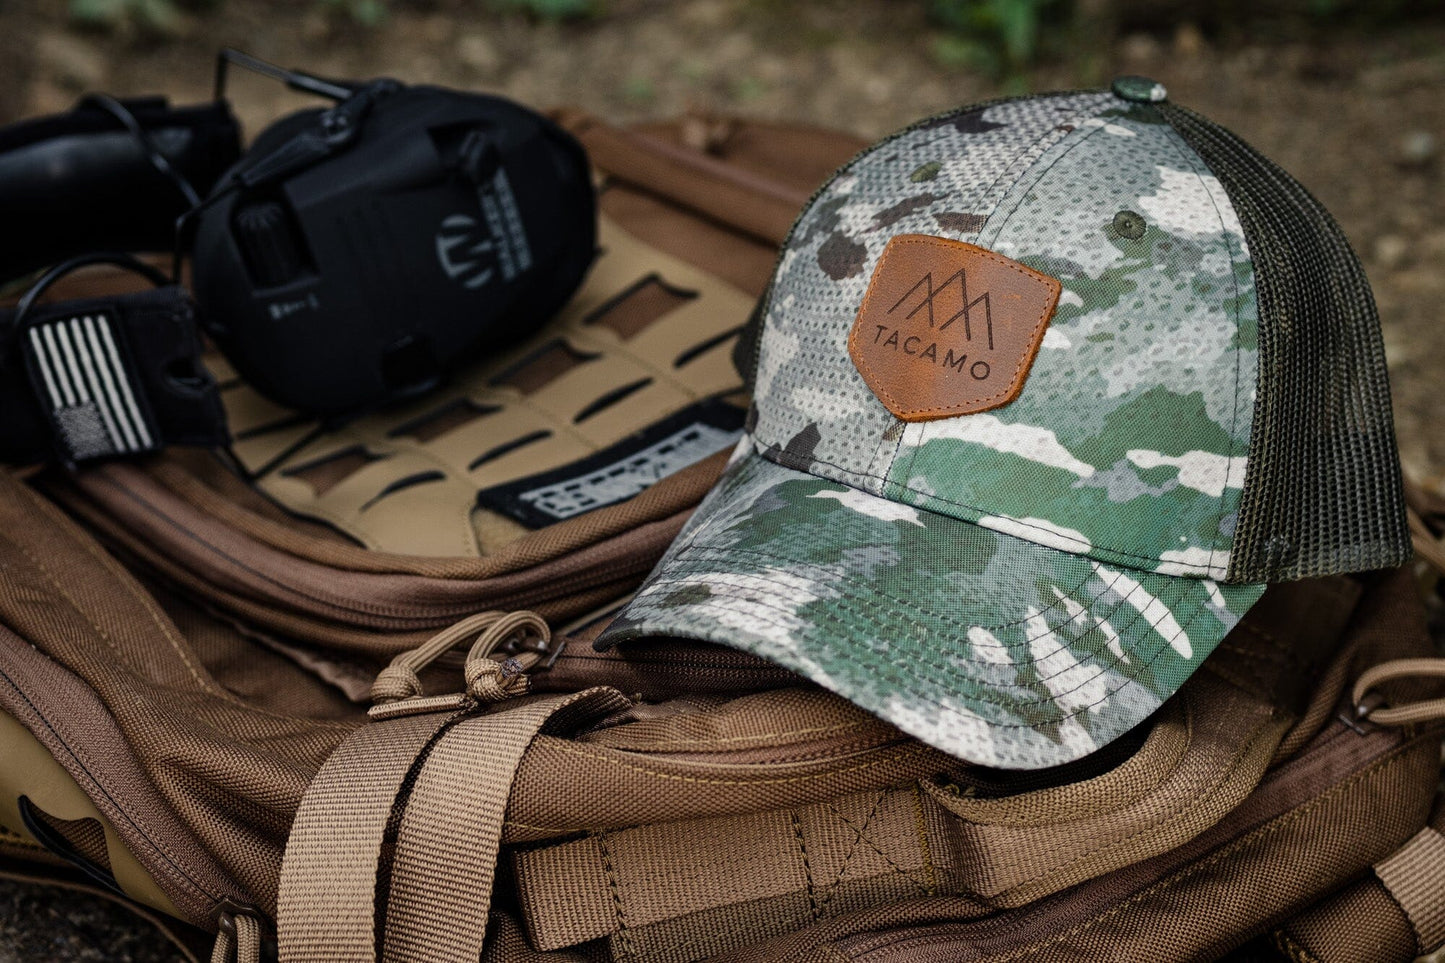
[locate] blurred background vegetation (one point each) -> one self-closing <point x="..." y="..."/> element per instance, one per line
<point x="999" y="36"/>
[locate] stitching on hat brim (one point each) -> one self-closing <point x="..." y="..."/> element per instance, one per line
<point x="890" y="669"/>
<point x="905" y="680"/>
<point x="862" y="614"/>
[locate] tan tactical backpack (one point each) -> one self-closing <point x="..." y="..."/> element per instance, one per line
<point x="288" y="707"/>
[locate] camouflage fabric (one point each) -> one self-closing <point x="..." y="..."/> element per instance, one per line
<point x="998" y="650"/>
<point x="1129" y="440"/>
<point x="1020" y="585"/>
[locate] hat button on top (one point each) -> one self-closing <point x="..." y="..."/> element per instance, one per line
<point x="1141" y="90"/>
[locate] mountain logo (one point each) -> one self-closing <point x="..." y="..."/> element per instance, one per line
<point x="931" y="348"/>
<point x="933" y="295"/>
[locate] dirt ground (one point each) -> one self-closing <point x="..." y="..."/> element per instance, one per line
<point x="1358" y="117"/>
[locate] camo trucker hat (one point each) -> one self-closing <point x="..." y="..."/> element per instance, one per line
<point x="1045" y="392"/>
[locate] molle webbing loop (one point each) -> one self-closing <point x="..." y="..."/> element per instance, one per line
<point x="1414" y="713"/>
<point x="393" y="851"/>
<point x="1415" y="877"/>
<point x="676" y="891"/>
<point x="524" y="638"/>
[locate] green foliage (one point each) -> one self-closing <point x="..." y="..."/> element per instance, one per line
<point x="155" y="16"/>
<point x="363" y="13"/>
<point x="747" y="88"/>
<point x="1000" y="36"/>
<point x="551" y="10"/>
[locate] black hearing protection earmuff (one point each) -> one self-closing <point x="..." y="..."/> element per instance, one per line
<point x="358" y="252"/>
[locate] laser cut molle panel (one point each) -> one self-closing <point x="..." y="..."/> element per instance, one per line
<point x="647" y="337"/>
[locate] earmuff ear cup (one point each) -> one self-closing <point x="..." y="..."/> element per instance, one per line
<point x="448" y="226"/>
<point x="79" y="182"/>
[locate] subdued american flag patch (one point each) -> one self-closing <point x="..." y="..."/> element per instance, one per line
<point x="91" y="392"/>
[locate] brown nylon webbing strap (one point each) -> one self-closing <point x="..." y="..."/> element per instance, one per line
<point x="1415" y="877"/>
<point x="767" y="872"/>
<point x="325" y="909"/>
<point x="1364" y="922"/>
<point x="689" y="889"/>
<point x="446" y="847"/>
<point x="451" y="831"/>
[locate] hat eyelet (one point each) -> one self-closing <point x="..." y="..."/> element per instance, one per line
<point x="1129" y="224"/>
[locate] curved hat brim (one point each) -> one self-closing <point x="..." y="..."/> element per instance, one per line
<point x="994" y="649"/>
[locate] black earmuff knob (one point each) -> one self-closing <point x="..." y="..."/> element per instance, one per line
<point x="267" y="243"/>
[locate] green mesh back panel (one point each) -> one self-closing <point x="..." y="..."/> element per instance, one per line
<point x="1323" y="491"/>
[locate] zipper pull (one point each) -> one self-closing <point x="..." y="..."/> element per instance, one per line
<point x="1356" y="715"/>
<point x="507" y="645"/>
<point x="1370" y="705"/>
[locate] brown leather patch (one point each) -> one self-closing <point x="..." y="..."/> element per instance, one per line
<point x="948" y="328"/>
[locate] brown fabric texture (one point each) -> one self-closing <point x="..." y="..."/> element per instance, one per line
<point x="228" y="771"/>
<point x="184" y="516"/>
<point x="80" y="733"/>
<point x="768" y="872"/>
<point x="660" y="671"/>
<point x="326" y="901"/>
<point x="1361" y="924"/>
<point x="233" y="769"/>
<point x="1267" y="859"/>
<point x="1368" y="922"/>
<point x="507" y="942"/>
<point x="948" y="328"/>
<point x="1415" y="877"/>
<point x="647" y="890"/>
<point x="446" y="779"/>
<point x="451" y="828"/>
<point x="811" y="746"/>
<point x="347" y="597"/>
<point x="369" y="613"/>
